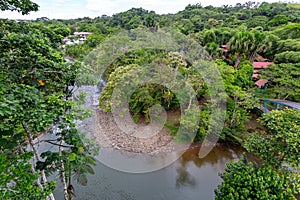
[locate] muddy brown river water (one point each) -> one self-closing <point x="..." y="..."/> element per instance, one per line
<point x="188" y="178"/>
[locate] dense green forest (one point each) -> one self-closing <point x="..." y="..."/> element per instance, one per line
<point x="37" y="91"/>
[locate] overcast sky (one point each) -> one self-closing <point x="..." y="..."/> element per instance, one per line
<point x="67" y="9"/>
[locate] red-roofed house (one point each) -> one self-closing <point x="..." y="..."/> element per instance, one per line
<point x="224" y="47"/>
<point x="259" y="58"/>
<point x="261" y="83"/>
<point x="257" y="66"/>
<point x="260" y="65"/>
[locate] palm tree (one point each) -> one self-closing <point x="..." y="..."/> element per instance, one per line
<point x="209" y="36"/>
<point x="248" y="44"/>
<point x="241" y="44"/>
<point x="261" y="43"/>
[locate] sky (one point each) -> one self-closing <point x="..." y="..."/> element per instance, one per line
<point x="70" y="9"/>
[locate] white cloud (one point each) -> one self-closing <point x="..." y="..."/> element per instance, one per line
<point x="66" y="9"/>
<point x="110" y="7"/>
<point x="103" y="6"/>
<point x="159" y="6"/>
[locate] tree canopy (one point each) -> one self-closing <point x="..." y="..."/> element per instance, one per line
<point x="246" y="180"/>
<point x="23" y="6"/>
<point x="277" y="177"/>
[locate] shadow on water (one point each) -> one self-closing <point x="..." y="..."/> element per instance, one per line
<point x="215" y="160"/>
<point x="187" y="178"/>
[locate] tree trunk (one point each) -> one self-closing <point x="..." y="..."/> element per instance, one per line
<point x="37" y="157"/>
<point x="63" y="174"/>
<point x="238" y="61"/>
<point x="252" y="57"/>
<point x="38" y="182"/>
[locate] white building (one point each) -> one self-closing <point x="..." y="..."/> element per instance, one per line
<point x="81" y="37"/>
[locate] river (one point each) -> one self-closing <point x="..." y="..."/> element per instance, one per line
<point x="189" y="177"/>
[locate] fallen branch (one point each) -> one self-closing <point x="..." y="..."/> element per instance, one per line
<point x="60" y="145"/>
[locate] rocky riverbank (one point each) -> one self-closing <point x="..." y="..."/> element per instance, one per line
<point x="108" y="134"/>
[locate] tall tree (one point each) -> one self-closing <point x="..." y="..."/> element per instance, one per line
<point x="240" y="45"/>
<point x="248" y="44"/>
<point x="260" y="44"/>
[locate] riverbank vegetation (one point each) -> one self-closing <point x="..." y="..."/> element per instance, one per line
<point x="37" y="86"/>
<point x="277" y="177"/>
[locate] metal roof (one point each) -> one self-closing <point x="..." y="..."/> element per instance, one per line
<point x="291" y="104"/>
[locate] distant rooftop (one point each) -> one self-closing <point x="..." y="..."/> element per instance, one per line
<point x="224" y="47"/>
<point x="259" y="58"/>
<point x="82" y="33"/>
<point x="261" y="82"/>
<point x="260" y="65"/>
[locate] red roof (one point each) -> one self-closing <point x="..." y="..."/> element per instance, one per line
<point x="255" y="75"/>
<point x="260" y="65"/>
<point x="224" y="47"/>
<point x="261" y="59"/>
<point x="261" y="82"/>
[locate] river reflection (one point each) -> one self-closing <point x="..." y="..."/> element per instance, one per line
<point x="187" y="178"/>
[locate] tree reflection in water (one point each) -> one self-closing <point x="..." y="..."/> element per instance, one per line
<point x="216" y="159"/>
